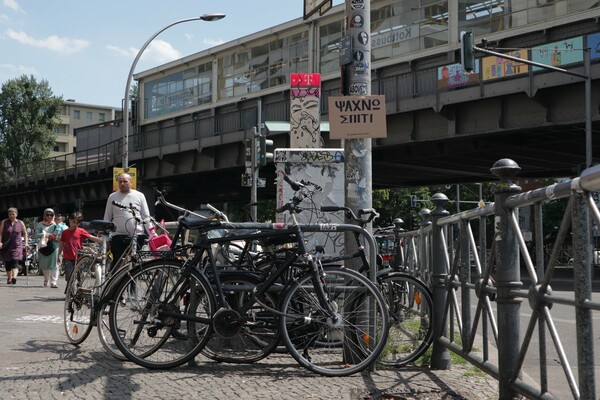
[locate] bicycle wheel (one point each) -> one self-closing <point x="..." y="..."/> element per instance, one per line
<point x="102" y="319"/>
<point x="243" y="337"/>
<point x="339" y="346"/>
<point x="410" y="307"/>
<point x="151" y="310"/>
<point x="80" y="298"/>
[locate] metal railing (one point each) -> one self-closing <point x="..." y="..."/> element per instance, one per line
<point x="72" y="164"/>
<point x="481" y="299"/>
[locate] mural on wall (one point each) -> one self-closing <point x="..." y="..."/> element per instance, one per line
<point x="322" y="170"/>
<point x="557" y="54"/>
<point x="305" y="110"/>
<point x="453" y="75"/>
<point x="593" y="42"/>
<point x="498" y="67"/>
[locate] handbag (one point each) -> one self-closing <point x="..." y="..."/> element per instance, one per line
<point x="49" y="248"/>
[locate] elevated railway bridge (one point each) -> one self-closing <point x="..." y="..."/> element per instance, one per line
<point x="438" y="133"/>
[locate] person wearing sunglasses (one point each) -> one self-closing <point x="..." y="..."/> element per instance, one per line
<point x="47" y="231"/>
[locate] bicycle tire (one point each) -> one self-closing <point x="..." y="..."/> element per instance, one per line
<point x="258" y="333"/>
<point x="102" y="315"/>
<point x="334" y="348"/>
<point x="144" y="323"/>
<point x="80" y="297"/>
<point x="410" y="307"/>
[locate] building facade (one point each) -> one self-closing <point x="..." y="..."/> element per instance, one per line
<point x="74" y="115"/>
<point x="405" y="35"/>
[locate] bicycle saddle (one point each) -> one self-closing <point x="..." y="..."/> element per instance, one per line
<point x="195" y="222"/>
<point x="102" y="226"/>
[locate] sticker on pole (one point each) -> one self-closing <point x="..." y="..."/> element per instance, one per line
<point x="357" y="117"/>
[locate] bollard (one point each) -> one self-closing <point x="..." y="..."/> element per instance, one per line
<point x="440" y="356"/>
<point x="508" y="277"/>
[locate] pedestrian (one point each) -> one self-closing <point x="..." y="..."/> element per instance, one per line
<point x="61" y="226"/>
<point x="48" y="234"/>
<point x="13" y="243"/>
<point x="71" y="240"/>
<point x="125" y="223"/>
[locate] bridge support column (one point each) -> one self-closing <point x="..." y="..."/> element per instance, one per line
<point x="508" y="277"/>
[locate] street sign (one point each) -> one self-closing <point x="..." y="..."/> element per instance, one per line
<point x="357" y="117"/>
<point x="261" y="182"/>
<point x="346" y="50"/>
<point x="312" y="6"/>
<point x="246" y="180"/>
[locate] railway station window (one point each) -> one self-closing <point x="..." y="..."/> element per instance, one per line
<point x="178" y="91"/>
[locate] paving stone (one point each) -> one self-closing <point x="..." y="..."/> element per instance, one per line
<point x="38" y="362"/>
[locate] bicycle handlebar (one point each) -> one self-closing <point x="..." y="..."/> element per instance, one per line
<point x="186" y="212"/>
<point x="350" y="214"/>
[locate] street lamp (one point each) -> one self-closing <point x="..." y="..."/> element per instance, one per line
<point x="206" y="17"/>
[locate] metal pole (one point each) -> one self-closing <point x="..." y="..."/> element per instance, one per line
<point x="508" y="277"/>
<point x="588" y="108"/>
<point x="205" y="17"/>
<point x="440" y="356"/>
<point x="255" y="137"/>
<point x="358" y="157"/>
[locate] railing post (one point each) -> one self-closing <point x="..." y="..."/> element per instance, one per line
<point x="440" y="356"/>
<point x="423" y="267"/>
<point x="508" y="277"/>
<point x="464" y="273"/>
<point x="398" y="261"/>
<point x="582" y="277"/>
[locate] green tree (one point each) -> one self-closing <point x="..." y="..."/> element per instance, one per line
<point x="28" y="115"/>
<point x="395" y="203"/>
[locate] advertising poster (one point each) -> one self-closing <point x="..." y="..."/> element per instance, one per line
<point x="593" y="42"/>
<point x="117" y="171"/>
<point x="305" y="110"/>
<point x="453" y="75"/>
<point x="558" y="54"/>
<point x="498" y="67"/>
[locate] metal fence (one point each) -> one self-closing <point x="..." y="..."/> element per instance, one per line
<point x="488" y="281"/>
<point x="72" y="164"/>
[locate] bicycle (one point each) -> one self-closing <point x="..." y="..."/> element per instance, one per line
<point x="89" y="286"/>
<point x="409" y="300"/>
<point x="332" y="320"/>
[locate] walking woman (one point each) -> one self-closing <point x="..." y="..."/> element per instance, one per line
<point x="12" y="231"/>
<point x="49" y="253"/>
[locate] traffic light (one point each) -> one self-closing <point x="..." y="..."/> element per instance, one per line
<point x="264" y="156"/>
<point x="413" y="200"/>
<point x="467" y="58"/>
<point x="248" y="152"/>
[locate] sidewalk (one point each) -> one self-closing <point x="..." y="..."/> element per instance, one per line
<point x="37" y="362"/>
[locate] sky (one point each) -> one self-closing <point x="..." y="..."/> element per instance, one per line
<point x="85" y="48"/>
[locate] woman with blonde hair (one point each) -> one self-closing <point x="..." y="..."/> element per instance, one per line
<point x="12" y="233"/>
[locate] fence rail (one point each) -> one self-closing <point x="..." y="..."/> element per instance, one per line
<point x="481" y="299"/>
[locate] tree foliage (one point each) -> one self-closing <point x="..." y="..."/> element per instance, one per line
<point x="28" y="114"/>
<point x="396" y="203"/>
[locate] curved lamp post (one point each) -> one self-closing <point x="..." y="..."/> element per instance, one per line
<point x="205" y="17"/>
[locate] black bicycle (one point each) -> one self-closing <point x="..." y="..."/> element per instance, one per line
<point x="331" y="319"/>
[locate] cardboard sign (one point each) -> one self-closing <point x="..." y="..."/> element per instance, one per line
<point x="357" y="117"/>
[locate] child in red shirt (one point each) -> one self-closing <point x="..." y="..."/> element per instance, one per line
<point x="71" y="240"/>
